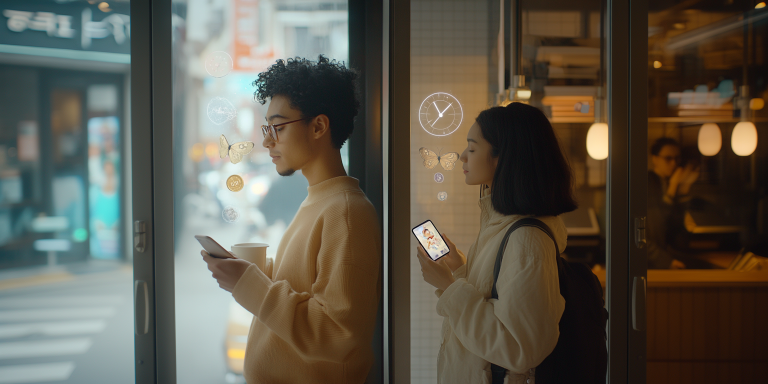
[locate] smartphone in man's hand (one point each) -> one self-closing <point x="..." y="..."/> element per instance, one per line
<point x="213" y="248"/>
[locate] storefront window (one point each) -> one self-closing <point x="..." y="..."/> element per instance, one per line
<point x="467" y="56"/>
<point x="65" y="274"/>
<point x="707" y="179"/>
<point x="218" y="50"/>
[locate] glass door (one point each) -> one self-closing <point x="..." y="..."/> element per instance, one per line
<point x="706" y="198"/>
<point x="218" y="50"/>
<point x="467" y="57"/>
<point x="66" y="294"/>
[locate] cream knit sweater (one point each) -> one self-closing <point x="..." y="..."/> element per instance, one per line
<point x="315" y="309"/>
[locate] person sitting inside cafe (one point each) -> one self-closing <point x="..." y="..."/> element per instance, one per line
<point x="669" y="185"/>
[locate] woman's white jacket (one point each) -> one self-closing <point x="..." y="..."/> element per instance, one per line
<point x="518" y="330"/>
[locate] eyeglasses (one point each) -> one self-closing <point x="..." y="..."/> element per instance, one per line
<point x="670" y="159"/>
<point x="272" y="132"/>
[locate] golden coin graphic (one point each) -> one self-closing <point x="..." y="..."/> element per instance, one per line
<point x="235" y="183"/>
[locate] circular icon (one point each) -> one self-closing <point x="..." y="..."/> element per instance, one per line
<point x="221" y="110"/>
<point x="439" y="177"/>
<point x="229" y="214"/>
<point x="218" y="64"/>
<point x="235" y="183"/>
<point x="440" y="114"/>
<point x="442" y="196"/>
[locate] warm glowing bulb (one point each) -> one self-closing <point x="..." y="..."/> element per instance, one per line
<point x="710" y="139"/>
<point x="760" y="5"/>
<point x="657" y="64"/>
<point x="744" y="138"/>
<point x="597" y="141"/>
<point x="523" y="94"/>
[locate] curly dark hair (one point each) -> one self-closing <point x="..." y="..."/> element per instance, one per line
<point x="314" y="88"/>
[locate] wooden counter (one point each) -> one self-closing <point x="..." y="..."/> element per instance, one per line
<point x="706" y="326"/>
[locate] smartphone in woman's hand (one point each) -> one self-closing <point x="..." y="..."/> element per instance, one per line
<point x="431" y="240"/>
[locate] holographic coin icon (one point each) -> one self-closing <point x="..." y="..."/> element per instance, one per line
<point x="235" y="183"/>
<point x="221" y="110"/>
<point x="442" y="196"/>
<point x="218" y="64"/>
<point x="439" y="177"/>
<point x="229" y="214"/>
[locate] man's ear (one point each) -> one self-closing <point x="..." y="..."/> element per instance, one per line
<point x="320" y="126"/>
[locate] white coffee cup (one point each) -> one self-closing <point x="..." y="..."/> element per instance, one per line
<point x="255" y="253"/>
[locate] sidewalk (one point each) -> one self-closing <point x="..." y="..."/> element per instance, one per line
<point x="42" y="275"/>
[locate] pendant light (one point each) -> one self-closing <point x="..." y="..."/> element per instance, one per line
<point x="597" y="136"/>
<point x="597" y="141"/>
<point x="744" y="136"/>
<point x="710" y="139"/>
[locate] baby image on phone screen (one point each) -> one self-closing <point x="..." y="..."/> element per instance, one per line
<point x="433" y="244"/>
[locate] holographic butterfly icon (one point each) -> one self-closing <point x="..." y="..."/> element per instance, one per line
<point x="431" y="159"/>
<point x="235" y="151"/>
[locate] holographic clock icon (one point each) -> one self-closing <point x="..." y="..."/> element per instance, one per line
<point x="440" y="114"/>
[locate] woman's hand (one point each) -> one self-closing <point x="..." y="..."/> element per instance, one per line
<point x="436" y="273"/>
<point x="689" y="176"/>
<point x="453" y="259"/>
<point x="674" y="182"/>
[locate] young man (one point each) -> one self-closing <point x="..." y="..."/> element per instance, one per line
<point x="315" y="309"/>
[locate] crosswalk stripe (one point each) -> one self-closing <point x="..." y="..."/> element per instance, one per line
<point x="64" y="328"/>
<point x="39" y="348"/>
<point x="35" y="373"/>
<point x="53" y="301"/>
<point x="54" y="313"/>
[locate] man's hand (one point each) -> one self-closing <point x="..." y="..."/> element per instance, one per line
<point x="226" y="271"/>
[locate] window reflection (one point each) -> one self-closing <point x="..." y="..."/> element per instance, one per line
<point x="219" y="49"/>
<point x="706" y="91"/>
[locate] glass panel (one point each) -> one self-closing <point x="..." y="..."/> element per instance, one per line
<point x="707" y="200"/>
<point x="219" y="49"/>
<point x="467" y="56"/>
<point x="66" y="311"/>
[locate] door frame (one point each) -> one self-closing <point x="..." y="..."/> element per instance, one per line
<point x="627" y="54"/>
<point x="152" y="190"/>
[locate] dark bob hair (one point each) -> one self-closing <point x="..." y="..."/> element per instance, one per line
<point x="324" y="87"/>
<point x="532" y="176"/>
<point x="662" y="142"/>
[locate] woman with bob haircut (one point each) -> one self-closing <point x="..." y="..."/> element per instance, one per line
<point x="513" y="154"/>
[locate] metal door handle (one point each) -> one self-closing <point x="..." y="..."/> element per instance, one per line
<point x="640" y="239"/>
<point x="141" y="307"/>
<point x="140" y="236"/>
<point x="638" y="303"/>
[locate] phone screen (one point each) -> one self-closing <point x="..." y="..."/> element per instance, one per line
<point x="213" y="248"/>
<point x="431" y="240"/>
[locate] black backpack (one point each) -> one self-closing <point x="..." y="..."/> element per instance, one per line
<point x="580" y="355"/>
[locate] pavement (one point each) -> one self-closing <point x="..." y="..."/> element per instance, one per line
<point x="67" y="325"/>
<point x="73" y="324"/>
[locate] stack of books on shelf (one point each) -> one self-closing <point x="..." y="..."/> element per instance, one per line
<point x="570" y="101"/>
<point x="748" y="261"/>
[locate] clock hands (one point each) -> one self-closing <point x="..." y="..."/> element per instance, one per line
<point x="440" y="114"/>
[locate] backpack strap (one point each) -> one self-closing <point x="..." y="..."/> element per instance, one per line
<point x="498" y="373"/>
<point x="526" y="222"/>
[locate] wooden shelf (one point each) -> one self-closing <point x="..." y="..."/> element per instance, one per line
<point x="588" y="120"/>
<point x="701" y="119"/>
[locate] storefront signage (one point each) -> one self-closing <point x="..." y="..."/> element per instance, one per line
<point x="74" y="26"/>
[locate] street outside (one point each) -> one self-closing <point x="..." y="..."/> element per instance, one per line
<point x="74" y="324"/>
